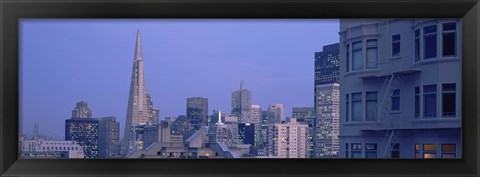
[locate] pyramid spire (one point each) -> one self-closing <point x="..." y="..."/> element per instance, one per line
<point x="138" y="48"/>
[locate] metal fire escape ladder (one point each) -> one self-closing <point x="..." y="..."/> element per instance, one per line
<point x="388" y="89"/>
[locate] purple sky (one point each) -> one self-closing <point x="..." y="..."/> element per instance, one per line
<point x="65" y="61"/>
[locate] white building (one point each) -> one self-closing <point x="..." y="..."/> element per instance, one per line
<point x="289" y="140"/>
<point x="400" y="88"/>
<point x="28" y="147"/>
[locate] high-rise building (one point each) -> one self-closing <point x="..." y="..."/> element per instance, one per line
<point x="241" y="104"/>
<point x="150" y="135"/>
<point x="327" y="120"/>
<point x="197" y="111"/>
<point x="246" y="133"/>
<point x="326" y="106"/>
<point x="289" y="140"/>
<point x="140" y="107"/>
<point x="226" y="133"/>
<point x="276" y="113"/>
<point x="256" y="116"/>
<point x="81" y="110"/>
<point x="400" y="88"/>
<point x="306" y="115"/>
<point x="109" y="137"/>
<point x="84" y="131"/>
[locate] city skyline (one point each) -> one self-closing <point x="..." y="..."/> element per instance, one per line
<point x="294" y="84"/>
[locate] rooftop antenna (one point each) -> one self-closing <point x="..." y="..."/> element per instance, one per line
<point x="241" y="84"/>
<point x="35" y="128"/>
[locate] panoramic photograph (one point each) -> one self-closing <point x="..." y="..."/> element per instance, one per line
<point x="240" y="88"/>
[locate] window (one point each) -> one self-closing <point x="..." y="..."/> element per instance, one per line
<point x="372" y="53"/>
<point x="396" y="100"/>
<point x="356" y="150"/>
<point x="449" y="36"/>
<point x="346" y="150"/>
<point x="370" y="150"/>
<point x="417" y="150"/>
<point x="371" y="98"/>
<point x="417" y="45"/>
<point x="448" y="151"/>
<point x="449" y="101"/>
<point x="348" y="58"/>
<point x="430" y="41"/>
<point x="417" y="102"/>
<point x="429" y="101"/>
<point x="429" y="151"/>
<point x="357" y="106"/>
<point x="347" y="113"/>
<point x="396" y="45"/>
<point x="395" y="150"/>
<point x="357" y="56"/>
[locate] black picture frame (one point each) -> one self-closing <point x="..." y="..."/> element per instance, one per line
<point x="13" y="10"/>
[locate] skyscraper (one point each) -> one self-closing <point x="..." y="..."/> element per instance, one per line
<point x="109" y="137"/>
<point x="276" y="113"/>
<point x="140" y="107"/>
<point x="197" y="111"/>
<point x="326" y="97"/>
<point x="84" y="131"/>
<point x="241" y="104"/>
<point x="81" y="110"/>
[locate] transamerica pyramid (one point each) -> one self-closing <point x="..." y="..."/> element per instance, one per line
<point x="140" y="107"/>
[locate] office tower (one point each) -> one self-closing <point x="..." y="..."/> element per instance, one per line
<point x="306" y="115"/>
<point x="327" y="120"/>
<point x="182" y="126"/>
<point x="109" y="137"/>
<point x="197" y="111"/>
<point x="84" y="131"/>
<point x="224" y="133"/>
<point x="241" y="104"/>
<point x="150" y="135"/>
<point x="140" y="107"/>
<point x="400" y="88"/>
<point x="326" y="104"/>
<point x="81" y="110"/>
<point x="289" y="140"/>
<point x="246" y="133"/>
<point x="256" y="115"/>
<point x="276" y="113"/>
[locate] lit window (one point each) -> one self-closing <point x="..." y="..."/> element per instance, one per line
<point x="448" y="100"/>
<point x="429" y="147"/>
<point x="449" y="39"/>
<point x="429" y="155"/>
<point x="396" y="45"/>
<point x="430" y="41"/>
<point x="372" y="53"/>
<point x="396" y="100"/>
<point x="371" y="106"/>
<point x="429" y="101"/>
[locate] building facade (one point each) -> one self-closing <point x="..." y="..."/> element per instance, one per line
<point x="38" y="148"/>
<point x="197" y="111"/>
<point x="140" y="106"/>
<point x="326" y="106"/>
<point x="108" y="137"/>
<point x="306" y="115"/>
<point x="241" y="104"/>
<point x="289" y="140"/>
<point x="81" y="110"/>
<point x="276" y="113"/>
<point x="85" y="132"/>
<point x="400" y="88"/>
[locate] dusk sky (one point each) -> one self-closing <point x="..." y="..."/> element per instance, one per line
<point x="66" y="61"/>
